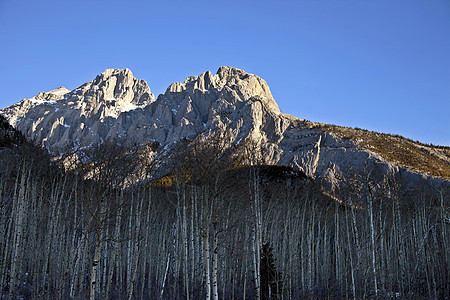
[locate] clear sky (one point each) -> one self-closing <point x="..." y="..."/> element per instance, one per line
<point x="382" y="65"/>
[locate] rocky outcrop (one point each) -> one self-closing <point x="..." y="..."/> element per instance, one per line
<point x="116" y="106"/>
<point x="61" y="120"/>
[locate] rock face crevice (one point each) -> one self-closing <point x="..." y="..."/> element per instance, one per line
<point x="118" y="107"/>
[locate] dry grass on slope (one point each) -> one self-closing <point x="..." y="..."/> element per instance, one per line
<point x="434" y="160"/>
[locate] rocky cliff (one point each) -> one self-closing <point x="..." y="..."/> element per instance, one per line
<point x="62" y="120"/>
<point x="117" y="106"/>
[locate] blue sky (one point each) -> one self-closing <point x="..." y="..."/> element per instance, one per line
<point x="381" y="65"/>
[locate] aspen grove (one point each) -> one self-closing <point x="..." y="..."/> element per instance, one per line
<point x="220" y="225"/>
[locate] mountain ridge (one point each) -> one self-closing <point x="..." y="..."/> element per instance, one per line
<point x="117" y="106"/>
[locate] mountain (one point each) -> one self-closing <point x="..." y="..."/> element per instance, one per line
<point x="116" y="106"/>
<point x="210" y="191"/>
<point x="60" y="118"/>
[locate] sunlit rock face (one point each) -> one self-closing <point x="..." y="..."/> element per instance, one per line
<point x="63" y="120"/>
<point x="118" y="107"/>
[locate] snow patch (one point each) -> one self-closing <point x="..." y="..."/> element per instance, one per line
<point x="14" y="121"/>
<point x="129" y="107"/>
<point x="42" y="101"/>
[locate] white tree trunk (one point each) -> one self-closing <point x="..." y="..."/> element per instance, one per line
<point x="95" y="262"/>
<point x="129" y="248"/>
<point x="165" y="275"/>
<point x="137" y="244"/>
<point x="186" y="244"/>
<point x="147" y="234"/>
<point x="350" y="245"/>
<point x="215" y="289"/>
<point x="257" y="233"/>
<point x="207" y="265"/>
<point x="256" y="265"/>
<point x="114" y="252"/>
<point x="372" y="239"/>
<point x="75" y="267"/>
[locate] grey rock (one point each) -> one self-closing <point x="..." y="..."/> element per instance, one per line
<point x="116" y="106"/>
<point x="63" y="121"/>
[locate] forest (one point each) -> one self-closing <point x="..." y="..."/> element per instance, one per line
<point x="220" y="224"/>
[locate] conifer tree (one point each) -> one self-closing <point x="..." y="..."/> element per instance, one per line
<point x="271" y="284"/>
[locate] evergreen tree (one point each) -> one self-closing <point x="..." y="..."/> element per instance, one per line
<point x="271" y="284"/>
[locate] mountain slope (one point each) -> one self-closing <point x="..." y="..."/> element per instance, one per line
<point x="434" y="160"/>
<point x="60" y="120"/>
<point x="118" y="107"/>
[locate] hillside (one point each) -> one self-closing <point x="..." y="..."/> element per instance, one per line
<point x="16" y="151"/>
<point x="431" y="159"/>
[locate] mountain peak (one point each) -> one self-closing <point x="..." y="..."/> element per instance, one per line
<point x="117" y="87"/>
<point x="53" y="95"/>
<point x="117" y="106"/>
<point x="59" y="91"/>
<point x="122" y="76"/>
<point x="251" y="86"/>
<point x="227" y="72"/>
<point x="114" y="72"/>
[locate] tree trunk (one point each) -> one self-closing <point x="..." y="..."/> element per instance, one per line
<point x="215" y="289"/>
<point x="114" y="253"/>
<point x="372" y="239"/>
<point x="207" y="265"/>
<point x="94" y="266"/>
<point x="349" y="244"/>
<point x="186" y="244"/>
